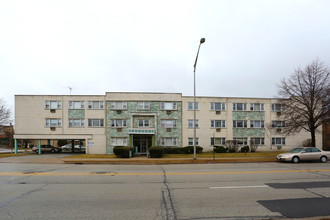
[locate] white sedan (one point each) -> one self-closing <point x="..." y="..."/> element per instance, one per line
<point x="305" y="153"/>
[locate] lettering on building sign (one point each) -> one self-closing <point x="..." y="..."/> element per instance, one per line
<point x="133" y="131"/>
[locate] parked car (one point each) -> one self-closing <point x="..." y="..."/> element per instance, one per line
<point x="77" y="148"/>
<point x="66" y="147"/>
<point x="304" y="154"/>
<point x="46" y="148"/>
<point x="80" y="147"/>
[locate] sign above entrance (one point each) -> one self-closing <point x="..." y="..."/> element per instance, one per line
<point x="141" y="131"/>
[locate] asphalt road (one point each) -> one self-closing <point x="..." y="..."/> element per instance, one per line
<point x="210" y="191"/>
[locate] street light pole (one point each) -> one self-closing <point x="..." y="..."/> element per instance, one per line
<point x="194" y="123"/>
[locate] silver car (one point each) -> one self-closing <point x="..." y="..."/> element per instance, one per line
<point x="305" y="153"/>
<point x="46" y="148"/>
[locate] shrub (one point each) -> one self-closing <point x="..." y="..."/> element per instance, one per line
<point x="173" y="150"/>
<point x="307" y="143"/>
<point x="62" y="142"/>
<point x="156" y="152"/>
<point x="123" y="152"/>
<point x="245" y="149"/>
<point x="220" y="149"/>
<point x="190" y="149"/>
<point x="232" y="146"/>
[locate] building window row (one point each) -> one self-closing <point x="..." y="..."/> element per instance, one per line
<point x="253" y="124"/>
<point x="53" y="122"/>
<point x="168" y="123"/>
<point x="191" y="123"/>
<point x="74" y="122"/>
<point x="168" y="142"/>
<point x="191" y="141"/>
<point x="49" y="104"/>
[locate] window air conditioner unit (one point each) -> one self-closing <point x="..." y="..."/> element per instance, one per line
<point x="218" y="129"/>
<point x="168" y="112"/>
<point x="119" y="129"/>
<point x="168" y="129"/>
<point x="52" y="128"/>
<point x="52" y="110"/>
<point x="217" y="112"/>
<point x="118" y="111"/>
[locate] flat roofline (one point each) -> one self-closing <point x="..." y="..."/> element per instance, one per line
<point x="226" y="97"/>
<point x="161" y="93"/>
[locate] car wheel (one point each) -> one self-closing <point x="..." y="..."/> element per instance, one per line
<point x="323" y="159"/>
<point x="53" y="151"/>
<point x="36" y="151"/>
<point x="295" y="159"/>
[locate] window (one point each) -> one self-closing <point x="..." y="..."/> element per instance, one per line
<point x="218" y="141"/>
<point x="278" y="141"/>
<point x="76" y="104"/>
<point x="257" y="141"/>
<point x="239" y="106"/>
<point x="168" y="106"/>
<point x="95" y="122"/>
<point x="53" y="105"/>
<point x="168" y="123"/>
<point x="218" y="106"/>
<point x="144" y="123"/>
<point x="118" y="141"/>
<point x="143" y="106"/>
<point x="118" y="105"/>
<point x="76" y="122"/>
<point x="53" y="122"/>
<point x="95" y="105"/>
<point x="278" y="107"/>
<point x="191" y="141"/>
<point x="118" y="123"/>
<point x="218" y="123"/>
<point x="240" y="141"/>
<point x="257" y="124"/>
<point x="257" y="107"/>
<point x="168" y="142"/>
<point x="240" y="124"/>
<point x="278" y="124"/>
<point x="191" y="106"/>
<point x="191" y="123"/>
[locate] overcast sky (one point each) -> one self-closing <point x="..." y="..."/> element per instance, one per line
<point x="150" y="46"/>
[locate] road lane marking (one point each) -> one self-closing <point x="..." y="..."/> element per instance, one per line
<point x="154" y="174"/>
<point x="238" y="187"/>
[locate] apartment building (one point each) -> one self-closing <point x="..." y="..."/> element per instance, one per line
<point x="142" y="120"/>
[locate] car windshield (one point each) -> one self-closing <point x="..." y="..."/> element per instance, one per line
<point x="296" y="150"/>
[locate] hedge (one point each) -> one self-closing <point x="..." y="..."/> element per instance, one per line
<point x="245" y="149"/>
<point x="220" y="149"/>
<point x="156" y="152"/>
<point x="123" y="152"/>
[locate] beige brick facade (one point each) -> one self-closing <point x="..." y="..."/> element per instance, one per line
<point x="54" y="117"/>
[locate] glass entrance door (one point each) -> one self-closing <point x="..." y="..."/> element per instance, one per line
<point x="142" y="143"/>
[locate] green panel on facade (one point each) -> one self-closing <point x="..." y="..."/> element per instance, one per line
<point x="248" y="132"/>
<point x="76" y="113"/>
<point x="248" y="115"/>
<point x="155" y="113"/>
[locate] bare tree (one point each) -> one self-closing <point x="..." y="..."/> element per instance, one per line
<point x="305" y="96"/>
<point x="5" y="115"/>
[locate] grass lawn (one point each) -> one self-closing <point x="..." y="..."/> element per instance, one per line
<point x="12" y="155"/>
<point x="223" y="155"/>
<point x="201" y="155"/>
